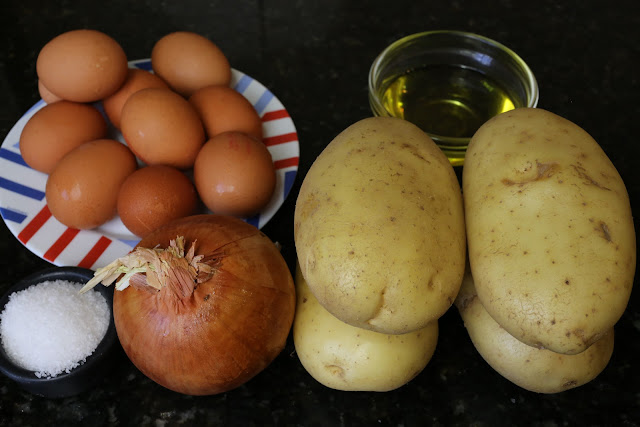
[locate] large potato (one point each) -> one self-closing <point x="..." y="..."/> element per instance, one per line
<point x="379" y="227"/>
<point x="550" y="234"/>
<point x="533" y="369"/>
<point x="345" y="357"/>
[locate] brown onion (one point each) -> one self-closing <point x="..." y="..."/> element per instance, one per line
<point x="210" y="319"/>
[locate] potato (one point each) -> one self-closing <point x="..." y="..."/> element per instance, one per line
<point x="345" y="357"/>
<point x="550" y="234"/>
<point x="379" y="227"/>
<point x="533" y="369"/>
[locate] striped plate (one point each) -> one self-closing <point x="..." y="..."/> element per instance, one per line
<point x="22" y="189"/>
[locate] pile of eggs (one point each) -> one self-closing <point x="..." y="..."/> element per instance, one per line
<point x="189" y="139"/>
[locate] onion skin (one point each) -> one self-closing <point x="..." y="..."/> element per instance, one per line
<point x="224" y="332"/>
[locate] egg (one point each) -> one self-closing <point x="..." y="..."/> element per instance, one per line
<point x="82" y="65"/>
<point x="82" y="190"/>
<point x="188" y="61"/>
<point x="162" y="128"/>
<point x="234" y="174"/>
<point x="56" y="129"/>
<point x="46" y="94"/>
<point x="154" y="195"/>
<point x="136" y="80"/>
<point x="222" y="109"/>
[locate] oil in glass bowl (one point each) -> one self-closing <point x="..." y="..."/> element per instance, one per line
<point x="447" y="102"/>
<point x="449" y="83"/>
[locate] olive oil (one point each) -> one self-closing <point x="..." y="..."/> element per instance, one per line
<point x="447" y="102"/>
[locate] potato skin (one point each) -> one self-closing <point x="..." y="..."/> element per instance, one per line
<point x="550" y="234"/>
<point x="348" y="358"/>
<point x="379" y="227"/>
<point x="537" y="370"/>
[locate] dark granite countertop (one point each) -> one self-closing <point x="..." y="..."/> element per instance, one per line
<point x="315" y="57"/>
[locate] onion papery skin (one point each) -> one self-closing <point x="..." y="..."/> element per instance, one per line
<point x="224" y="332"/>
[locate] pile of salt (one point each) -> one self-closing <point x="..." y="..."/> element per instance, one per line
<point x="50" y="328"/>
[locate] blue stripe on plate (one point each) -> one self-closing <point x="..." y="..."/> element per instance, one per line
<point x="289" y="178"/>
<point x="262" y="103"/>
<point x="243" y="83"/>
<point x="12" y="157"/>
<point x="21" y="189"/>
<point x="10" y="215"/>
<point x="34" y="106"/>
<point x="144" y="65"/>
<point x="254" y="220"/>
<point x="131" y="243"/>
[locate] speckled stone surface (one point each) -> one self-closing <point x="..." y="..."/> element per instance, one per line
<point x="315" y="57"/>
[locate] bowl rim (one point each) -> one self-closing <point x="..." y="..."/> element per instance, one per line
<point x="447" y="142"/>
<point x="64" y="383"/>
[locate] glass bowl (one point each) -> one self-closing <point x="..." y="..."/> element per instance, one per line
<point x="449" y="83"/>
<point x="86" y="375"/>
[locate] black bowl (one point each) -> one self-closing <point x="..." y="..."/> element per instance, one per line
<point x="82" y="377"/>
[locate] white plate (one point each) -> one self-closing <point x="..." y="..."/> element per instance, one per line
<point x="22" y="189"/>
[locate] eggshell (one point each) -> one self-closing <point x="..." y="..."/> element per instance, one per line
<point x="189" y="61"/>
<point x="82" y="65"/>
<point x="136" y="80"/>
<point x="234" y="174"/>
<point x="222" y="109"/>
<point x="46" y="95"/>
<point x="82" y="191"/>
<point x="56" y="129"/>
<point x="162" y="128"/>
<point x="154" y="195"/>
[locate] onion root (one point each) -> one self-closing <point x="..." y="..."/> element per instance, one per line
<point x="161" y="267"/>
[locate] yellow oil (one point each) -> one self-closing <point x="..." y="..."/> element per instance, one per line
<point x="450" y="103"/>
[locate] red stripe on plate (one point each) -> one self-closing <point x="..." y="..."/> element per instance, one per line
<point x="275" y="115"/>
<point x="285" y="163"/>
<point x="98" y="249"/>
<point x="281" y="139"/>
<point x="59" y="245"/>
<point x="36" y="223"/>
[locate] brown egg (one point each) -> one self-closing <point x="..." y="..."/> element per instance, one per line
<point x="56" y="129"/>
<point x="222" y="109"/>
<point x="189" y="61"/>
<point x="234" y="174"/>
<point x="82" y="191"/>
<point x="154" y="195"/>
<point x="162" y="128"/>
<point x="137" y="79"/>
<point x="46" y="94"/>
<point x="82" y="65"/>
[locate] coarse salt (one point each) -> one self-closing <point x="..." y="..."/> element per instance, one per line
<point x="50" y="328"/>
